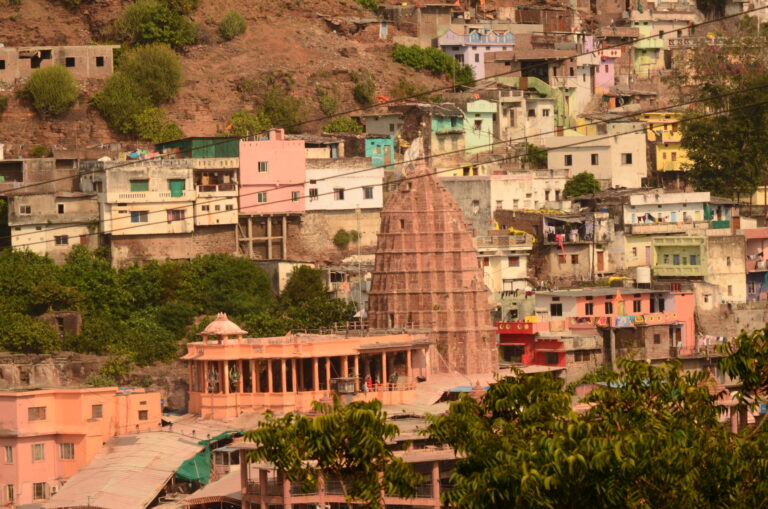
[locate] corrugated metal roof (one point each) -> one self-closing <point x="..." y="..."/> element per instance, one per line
<point x="128" y="473"/>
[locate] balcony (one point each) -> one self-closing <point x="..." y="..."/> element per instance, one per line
<point x="150" y="196"/>
<point x="679" y="227"/>
<point x="217" y="189"/>
<point x="564" y="81"/>
<point x="524" y="328"/>
<point x="757" y="265"/>
<point x="504" y="241"/>
<point x="662" y="270"/>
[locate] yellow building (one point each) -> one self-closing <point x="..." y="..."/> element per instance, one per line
<point x="664" y="133"/>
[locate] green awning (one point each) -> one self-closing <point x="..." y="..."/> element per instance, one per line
<point x="198" y="467"/>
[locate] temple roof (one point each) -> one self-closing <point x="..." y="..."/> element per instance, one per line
<point x="223" y="326"/>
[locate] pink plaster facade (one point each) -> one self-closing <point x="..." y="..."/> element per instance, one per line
<point x="605" y="73"/>
<point x="272" y="175"/>
<point x="230" y="374"/>
<point x="46" y="436"/>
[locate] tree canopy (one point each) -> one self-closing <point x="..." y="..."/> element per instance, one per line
<point x="581" y="184"/>
<point x="52" y="90"/>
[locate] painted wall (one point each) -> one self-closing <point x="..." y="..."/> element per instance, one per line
<point x="286" y="174"/>
<point x="478" y="126"/>
<point x="726" y="266"/>
<point x="351" y="180"/>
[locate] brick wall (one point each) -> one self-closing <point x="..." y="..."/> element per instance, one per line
<point x="126" y="250"/>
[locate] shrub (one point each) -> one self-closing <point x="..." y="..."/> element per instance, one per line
<point x="232" y="25"/>
<point x="327" y="101"/>
<point x="156" y="69"/>
<point x="365" y="88"/>
<point x="182" y="6"/>
<point x="581" y="184"/>
<point x="40" y="151"/>
<point x="368" y="4"/>
<point x="244" y="123"/>
<point x="434" y="60"/>
<point x="535" y="156"/>
<point x="342" y="125"/>
<point x="152" y="125"/>
<point x="149" y="21"/>
<point x="354" y="235"/>
<point x="282" y="108"/>
<point x="342" y="239"/>
<point x="23" y="334"/>
<point x="407" y="89"/>
<point x="120" y="101"/>
<point x="52" y="90"/>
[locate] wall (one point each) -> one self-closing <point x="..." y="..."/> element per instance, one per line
<point x="473" y="196"/>
<point x="43" y="239"/>
<point x="126" y="250"/>
<point x="286" y="168"/>
<point x="726" y="266"/>
<point x="84" y="65"/>
<point x="351" y="175"/>
<point x="529" y="119"/>
<point x="318" y="228"/>
<point x="386" y="125"/>
<point x="556" y="270"/>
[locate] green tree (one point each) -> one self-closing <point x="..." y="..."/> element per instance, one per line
<point x="346" y="443"/>
<point x="23" y="334"/>
<point x="52" y="90"/>
<point x="265" y="323"/>
<point x="535" y="156"/>
<point x="304" y="283"/>
<point x="282" y="108"/>
<point x="150" y="21"/>
<point x="342" y="125"/>
<point x="342" y="238"/>
<point x="230" y="284"/>
<point x="320" y="312"/>
<point x="156" y="69"/>
<point x="153" y="125"/>
<point x="364" y="91"/>
<point x="32" y="284"/>
<point x="120" y="101"/>
<point x="581" y="184"/>
<point x="232" y="25"/>
<point x="244" y="123"/>
<point x="434" y="60"/>
<point x="98" y="283"/>
<point x="325" y="98"/>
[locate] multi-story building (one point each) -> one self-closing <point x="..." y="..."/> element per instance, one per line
<point x="504" y="257"/>
<point x="165" y="208"/>
<point x="50" y="224"/>
<point x="230" y="373"/>
<point x="469" y="47"/>
<point x="665" y="137"/>
<point x="49" y="434"/>
<point x="756" y="252"/>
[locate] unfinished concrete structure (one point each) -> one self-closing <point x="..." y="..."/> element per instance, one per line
<point x="83" y="62"/>
<point x="427" y="274"/>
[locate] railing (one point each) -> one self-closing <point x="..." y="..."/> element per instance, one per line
<point x="216" y="188"/>
<point x="297" y="490"/>
<point x="253" y="488"/>
<point x="424" y="490"/>
<point x="393" y="387"/>
<point x="131" y="196"/>
<point x="757" y="265"/>
<point x="275" y="488"/>
<point x="169" y="194"/>
<point x="502" y="241"/>
<point x="333" y="487"/>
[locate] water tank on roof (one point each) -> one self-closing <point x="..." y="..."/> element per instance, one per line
<point x="643" y="276"/>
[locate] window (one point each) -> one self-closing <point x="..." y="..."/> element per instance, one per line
<point x="368" y="193"/>
<point x="9" y="495"/>
<point x="25" y="209"/>
<point x="175" y="215"/>
<point x="402" y="224"/>
<point x="294" y="196"/>
<point x="545" y="112"/>
<point x="552" y="358"/>
<point x="606" y="67"/>
<point x="313" y="194"/>
<point x="263" y="166"/>
<point x="634" y="249"/>
<point x="477" y="57"/>
<point x="338" y="193"/>
<point x="637" y="306"/>
<point x="61" y="240"/>
<point x="575" y="259"/>
<point x="675" y="259"/>
<point x="657" y="339"/>
<point x="666" y="259"/>
<point x="143" y="415"/>
<point x="39" y="490"/>
<point x="36" y="413"/>
<point x="580" y="356"/>
<point x="67" y="451"/>
<point x="595" y="158"/>
<point x="673" y="155"/>
<point x="217" y="207"/>
<point x="391" y="128"/>
<point x="556" y="309"/>
<point x="96" y="411"/>
<point x="730" y="290"/>
<point x="38" y="452"/>
<point x="728" y="261"/>
<point x="142" y="216"/>
<point x="99" y="61"/>
<point x="176" y="187"/>
<point x="626" y="158"/>
<point x="138" y="186"/>
<point x="478" y="124"/>
<point x="229" y="207"/>
<point x="2" y="64"/>
<point x="8" y="454"/>
<point x="694" y="260"/>
<point x="608" y="307"/>
<point x="531" y="113"/>
<point x="562" y="258"/>
<point x="261" y="197"/>
<point x="205" y="208"/>
<point x="568" y="160"/>
<point x="69" y="61"/>
<point x="486" y="261"/>
<point x="513" y="261"/>
<point x="589" y="309"/>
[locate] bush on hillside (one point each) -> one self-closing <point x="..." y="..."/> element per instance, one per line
<point x="342" y="239"/>
<point x="156" y="69"/>
<point x="24" y="334"/>
<point x="365" y="88"/>
<point x="40" y="151"/>
<point x="434" y="60"/>
<point x="232" y="25"/>
<point x="120" y="101"/>
<point x="371" y="5"/>
<point x="153" y="125"/>
<point x="244" y="123"/>
<point x="3" y="104"/>
<point x="150" y="21"/>
<point x="282" y="108"/>
<point x="343" y="125"/>
<point x="182" y="6"/>
<point x="326" y="99"/>
<point x="52" y="90"/>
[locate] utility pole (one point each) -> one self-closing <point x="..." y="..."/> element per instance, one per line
<point x="359" y="267"/>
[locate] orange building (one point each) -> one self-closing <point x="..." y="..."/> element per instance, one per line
<point x="47" y="435"/>
<point x="230" y="374"/>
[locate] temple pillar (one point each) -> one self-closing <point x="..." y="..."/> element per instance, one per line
<point x="294" y="376"/>
<point x="436" y="484"/>
<point x="345" y="366"/>
<point x="240" y="378"/>
<point x="358" y="382"/>
<point x="204" y="364"/>
<point x="225" y="376"/>
<point x="408" y="362"/>
<point x="270" y="382"/>
<point x="327" y="373"/>
<point x="283" y="376"/>
<point x="315" y="375"/>
<point x="254" y="375"/>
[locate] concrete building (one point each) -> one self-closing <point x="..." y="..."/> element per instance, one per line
<point x="756" y="253"/>
<point x="50" y="224"/>
<point x="479" y="126"/>
<point x="470" y="45"/>
<point x="613" y="160"/>
<point x="49" y="434"/>
<point x="165" y="209"/>
<point x="83" y="62"/>
<point x="230" y="374"/>
<point x="504" y="257"/>
<point x="38" y="176"/>
<point x="427" y="273"/>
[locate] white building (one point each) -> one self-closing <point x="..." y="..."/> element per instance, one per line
<point x="615" y="161"/>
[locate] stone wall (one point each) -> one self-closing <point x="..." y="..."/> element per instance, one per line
<point x="318" y="228"/>
<point x="126" y="249"/>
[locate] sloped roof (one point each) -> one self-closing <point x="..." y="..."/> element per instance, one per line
<point x="222" y="326"/>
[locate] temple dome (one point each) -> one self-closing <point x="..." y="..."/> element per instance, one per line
<point x="223" y="326"/>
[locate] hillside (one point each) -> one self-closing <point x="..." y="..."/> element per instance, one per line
<point x="289" y="39"/>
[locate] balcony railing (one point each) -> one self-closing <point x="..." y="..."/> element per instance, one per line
<point x="503" y="241"/>
<point x="757" y="265"/>
<point x="216" y="188"/>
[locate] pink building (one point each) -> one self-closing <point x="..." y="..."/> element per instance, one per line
<point x="605" y="73"/>
<point x="230" y="374"/>
<point x="272" y="175"/>
<point x="756" y="251"/>
<point x="579" y="330"/>
<point x="46" y="436"/>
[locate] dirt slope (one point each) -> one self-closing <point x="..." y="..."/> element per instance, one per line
<point x="284" y="37"/>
